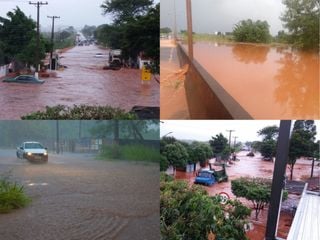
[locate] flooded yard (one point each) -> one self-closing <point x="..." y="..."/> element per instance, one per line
<point x="268" y="82"/>
<point x="82" y="82"/>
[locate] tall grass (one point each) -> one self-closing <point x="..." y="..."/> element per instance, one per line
<point x="12" y="196"/>
<point x="134" y="152"/>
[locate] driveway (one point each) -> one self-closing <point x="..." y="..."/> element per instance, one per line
<point x="77" y="197"/>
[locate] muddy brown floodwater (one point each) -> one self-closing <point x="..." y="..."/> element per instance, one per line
<point x="268" y="82"/>
<point x="75" y="197"/>
<point x="173" y="102"/>
<point x="256" y="167"/>
<point x="83" y="82"/>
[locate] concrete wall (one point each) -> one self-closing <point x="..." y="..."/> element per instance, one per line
<point x="206" y="98"/>
<point x="3" y="70"/>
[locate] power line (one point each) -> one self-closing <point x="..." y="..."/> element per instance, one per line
<point x="38" y="4"/>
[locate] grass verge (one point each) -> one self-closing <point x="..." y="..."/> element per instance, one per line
<point x="135" y="152"/>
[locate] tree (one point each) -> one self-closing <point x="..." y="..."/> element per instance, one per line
<point x="165" y="141"/>
<point x="268" y="145"/>
<point x="249" y="31"/>
<point x="301" y="142"/>
<point x="218" y="144"/>
<point x="189" y="213"/>
<point x="199" y="152"/>
<point x="18" y="38"/>
<point x="256" y="190"/>
<point x="88" y="31"/>
<point x="176" y="154"/>
<point x="165" y="30"/>
<point x="124" y="10"/>
<point x="301" y="18"/>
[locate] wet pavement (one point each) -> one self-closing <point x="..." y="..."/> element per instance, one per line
<point x="78" y="198"/>
<point x="256" y="167"/>
<point x="268" y="82"/>
<point x="82" y="82"/>
<point x="173" y="103"/>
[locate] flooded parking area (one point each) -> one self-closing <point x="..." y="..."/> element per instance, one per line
<point x="82" y="82"/>
<point x="268" y="82"/>
<point x="77" y="197"/>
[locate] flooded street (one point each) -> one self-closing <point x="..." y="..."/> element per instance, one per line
<point x="76" y="197"/>
<point x="173" y="97"/>
<point x="256" y="167"/>
<point x="268" y="82"/>
<point x="82" y="82"/>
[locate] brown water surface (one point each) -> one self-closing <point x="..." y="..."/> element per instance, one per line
<point x="83" y="82"/>
<point x="268" y="82"/>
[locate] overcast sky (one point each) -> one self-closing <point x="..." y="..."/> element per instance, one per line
<point x="75" y="13"/>
<point x="203" y="130"/>
<point x="210" y="16"/>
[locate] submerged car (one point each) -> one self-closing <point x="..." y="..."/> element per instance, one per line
<point x="205" y="177"/>
<point x="24" y="79"/>
<point x="33" y="152"/>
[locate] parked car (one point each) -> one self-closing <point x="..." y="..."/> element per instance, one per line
<point x="33" y="152"/>
<point x="205" y="177"/>
<point x="24" y="79"/>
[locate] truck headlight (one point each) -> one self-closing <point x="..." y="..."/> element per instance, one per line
<point x="29" y="153"/>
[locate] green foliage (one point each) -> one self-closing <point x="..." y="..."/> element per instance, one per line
<point x="218" y="143"/>
<point x="199" y="152"/>
<point x="301" y="18"/>
<point x="12" y="196"/>
<point x="164" y="164"/>
<point x="135" y="29"/>
<point x="250" y="31"/>
<point x="176" y="154"/>
<point x="65" y="38"/>
<point x="18" y="38"/>
<point x="165" y="141"/>
<point x="270" y="132"/>
<point x="165" y="30"/>
<point x="268" y="148"/>
<point x="134" y="152"/>
<point x="256" y="190"/>
<point x="189" y="213"/>
<point x="88" y="31"/>
<point x="301" y="142"/>
<point x="79" y="112"/>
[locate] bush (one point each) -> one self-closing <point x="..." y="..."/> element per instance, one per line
<point x="189" y="213"/>
<point x="11" y="196"/>
<point x="136" y="152"/>
<point x="82" y="112"/>
<point x="250" y="31"/>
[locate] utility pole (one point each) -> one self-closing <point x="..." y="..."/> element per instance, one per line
<point x="234" y="142"/>
<point x="38" y="4"/>
<point x="52" y="37"/>
<point x="175" y="22"/>
<point x="278" y="180"/>
<point x="230" y="131"/>
<point x="189" y="27"/>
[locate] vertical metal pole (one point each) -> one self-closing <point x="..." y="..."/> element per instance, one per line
<point x="278" y="179"/>
<point x="58" y="140"/>
<point x="189" y="26"/>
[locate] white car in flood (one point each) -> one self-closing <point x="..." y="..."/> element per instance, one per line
<point x="33" y="152"/>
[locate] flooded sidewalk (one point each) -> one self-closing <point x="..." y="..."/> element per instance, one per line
<point x="173" y="97"/>
<point x="82" y="82"/>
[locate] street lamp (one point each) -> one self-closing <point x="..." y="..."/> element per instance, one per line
<point x="167" y="134"/>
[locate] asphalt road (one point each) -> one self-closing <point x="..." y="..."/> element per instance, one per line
<point x="82" y="82"/>
<point x="75" y="197"/>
